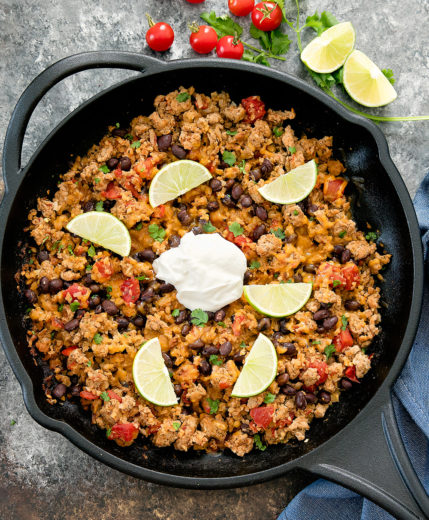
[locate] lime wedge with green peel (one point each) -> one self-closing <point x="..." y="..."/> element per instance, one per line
<point x="103" y="229"/>
<point x="151" y="376"/>
<point x="329" y="51"/>
<point x="365" y="82"/>
<point x="259" y="370"/>
<point x="278" y="300"/>
<point x="176" y="179"/>
<point x="292" y="186"/>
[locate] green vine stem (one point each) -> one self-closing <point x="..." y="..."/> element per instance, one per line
<point x="261" y="51"/>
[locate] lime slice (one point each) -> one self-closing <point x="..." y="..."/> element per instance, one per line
<point x="176" y="179"/>
<point x="329" y="51"/>
<point x="365" y="83"/>
<point x="292" y="186"/>
<point x="151" y="376"/>
<point x="103" y="229"/>
<point x="259" y="370"/>
<point x="278" y="300"/>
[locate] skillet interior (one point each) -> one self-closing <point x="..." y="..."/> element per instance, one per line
<point x="377" y="204"/>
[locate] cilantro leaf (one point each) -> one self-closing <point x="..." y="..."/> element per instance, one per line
<point x="104" y="168"/>
<point x="89" y="363"/>
<point x="91" y="251"/>
<point x="259" y="443"/>
<point x="260" y="58"/>
<point x="136" y="144"/>
<point x="12" y="422"/>
<point x="229" y="158"/>
<point x="199" y="317"/>
<point x="292" y="149"/>
<point x="329" y="350"/>
<point x="140" y="278"/>
<point x="278" y="131"/>
<point x="262" y="36"/>
<point x="70" y="249"/>
<point x="138" y="226"/>
<point x="389" y="75"/>
<point x="177" y="425"/>
<point x="221" y="324"/>
<point x="320" y="23"/>
<point x="105" y="396"/>
<point x="214" y="405"/>
<point x="97" y="339"/>
<point x="236" y="229"/>
<point x="214" y="360"/>
<point x="371" y="236"/>
<point x="344" y="322"/>
<point x="232" y="132"/>
<point x="342" y="234"/>
<point x="242" y="345"/>
<point x="175" y="313"/>
<point x="74" y="306"/>
<point x="242" y="166"/>
<point x="183" y="96"/>
<point x="60" y="307"/>
<point x="269" y="398"/>
<point x="324" y="81"/>
<point x="280" y="42"/>
<point x="223" y="25"/>
<point x="279" y="233"/>
<point x="336" y="283"/>
<point x="156" y="232"/>
<point x="208" y="227"/>
<point x="254" y="264"/>
<point x="108" y="432"/>
<point x="99" y="206"/>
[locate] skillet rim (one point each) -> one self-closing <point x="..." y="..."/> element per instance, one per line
<point x="383" y="392"/>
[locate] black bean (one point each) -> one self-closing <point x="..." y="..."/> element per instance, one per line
<point x="165" y="288"/>
<point x="330" y="323"/>
<point x="94" y="288"/>
<point x="256" y="174"/>
<point x="67" y="285"/>
<point x="147" y="295"/>
<point x="210" y="315"/>
<point x="346" y="384"/>
<point x="345" y="257"/>
<point x="238" y="358"/>
<point x="229" y="184"/>
<point x="184" y="217"/>
<point x="258" y="232"/>
<point x="310" y="397"/>
<point x="178" y="390"/>
<point x="186" y="410"/>
<point x="283" y="379"/>
<point x="174" y="241"/>
<point x="186" y="329"/>
<point x="324" y="397"/>
<point x="42" y="256"/>
<point x="320" y="329"/>
<point x="197" y="230"/>
<point x="89" y="206"/>
<point x="108" y="204"/>
<point x="321" y="314"/>
<point x="215" y="185"/>
<point x="276" y="337"/>
<point x="245" y="201"/>
<point x="79" y="314"/>
<point x="74" y="379"/>
<point x="228" y="202"/>
<point x="213" y="205"/>
<point x="112" y="163"/>
<point x="325" y="305"/>
<point x="302" y="205"/>
<point x="300" y="401"/>
<point x="75" y="390"/>
<point x="204" y="367"/>
<point x="312" y="208"/>
<point x="266" y="167"/>
<point x="119" y="132"/>
<point x="164" y="142"/>
<point x="223" y="165"/>
<point x="297" y="278"/>
<point x="59" y="390"/>
<point x="94" y="301"/>
<point x="291" y="349"/>
<point x="178" y="151"/>
<point x="44" y="284"/>
<point x="261" y="213"/>
<point x="139" y="322"/>
<point x="283" y="326"/>
<point x="167" y="360"/>
<point x="310" y="268"/>
<point x="264" y="324"/>
<point x="246" y="276"/>
<point x="125" y="163"/>
<point x="31" y="296"/>
<point x="236" y="192"/>
<point x="288" y="390"/>
<point x="110" y="307"/>
<point x="199" y="343"/>
<point x="87" y="279"/>
<point x="182" y="316"/>
<point x="209" y="350"/>
<point x="55" y="285"/>
<point x="351" y="305"/>
<point x="225" y="348"/>
<point x="71" y="325"/>
<point x="122" y="323"/>
<point x="98" y="309"/>
<point x="219" y="315"/>
<point x="338" y="250"/>
<point x="147" y="255"/>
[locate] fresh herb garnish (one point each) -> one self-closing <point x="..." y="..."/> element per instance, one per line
<point x="208" y="227"/>
<point x="295" y="212"/>
<point x="229" y="157"/>
<point x="104" y="168"/>
<point x="389" y="75"/>
<point x="255" y="264"/>
<point x="117" y="125"/>
<point x="175" y="313"/>
<point x="199" y="317"/>
<point x="176" y="425"/>
<point x="99" y="206"/>
<point x="371" y="236"/>
<point x="183" y="96"/>
<point x="136" y="144"/>
<point x="214" y="360"/>
<point x="342" y="234"/>
<point x="276" y="275"/>
<point x="91" y="251"/>
<point x="329" y="350"/>
<point x="292" y="149"/>
<point x="221" y="324"/>
<point x="214" y="405"/>
<point x="129" y="137"/>
<point x="60" y="307"/>
<point x="259" y="443"/>
<point x="53" y="334"/>
<point x="156" y="232"/>
<point x="278" y="131"/>
<point x="108" y="432"/>
<point x="242" y="166"/>
<point x="138" y="226"/>
<point x="269" y="398"/>
<point x="12" y="422"/>
<point x="236" y="229"/>
<point x="97" y="339"/>
<point x="336" y="283"/>
<point x="242" y="345"/>
<point x="315" y="342"/>
<point x="232" y="132"/>
<point x="279" y="233"/>
<point x="141" y="277"/>
<point x="96" y="180"/>
<point x="70" y="250"/>
<point x="74" y="306"/>
<point x="89" y="363"/>
<point x="105" y="396"/>
<point x="344" y="322"/>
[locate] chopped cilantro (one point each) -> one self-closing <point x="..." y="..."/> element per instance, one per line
<point x="157" y="232"/>
<point x="98" y="338"/>
<point x="89" y="363"/>
<point x="89" y="268"/>
<point x="276" y="275"/>
<point x="342" y="234"/>
<point x="242" y="345"/>
<point x="269" y="398"/>
<point x="258" y="442"/>
<point x="108" y="288"/>
<point x="221" y="324"/>
<point x="344" y="322"/>
<point x="104" y="168"/>
<point x="129" y="137"/>
<point x="53" y="333"/>
<point x="229" y="158"/>
<point x="105" y="396"/>
<point x="136" y="144"/>
<point x="279" y="233"/>
<point x="199" y="317"/>
<point x="60" y="307"/>
<point x="176" y="425"/>
<point x="371" y="236"/>
<point x="292" y="149"/>
<point x="31" y="261"/>
<point x="231" y="132"/>
<point x="175" y="313"/>
<point x="117" y="125"/>
<point x="139" y="226"/>
<point x="12" y="422"/>
<point x="214" y="405"/>
<point x="277" y="131"/>
<point x="214" y="360"/>
<point x="236" y="229"/>
<point x="140" y="278"/>
<point x="91" y="251"/>
<point x="255" y="264"/>
<point x="44" y="240"/>
<point x="99" y="206"/>
<point x="315" y="342"/>
<point x="242" y="166"/>
<point x="208" y="227"/>
<point x="108" y="432"/>
<point x="96" y="180"/>
<point x="296" y="212"/>
<point x="389" y="75"/>
<point x="74" y="306"/>
<point x="336" y="283"/>
<point x="70" y="249"/>
<point x="183" y="96"/>
<point x="329" y="350"/>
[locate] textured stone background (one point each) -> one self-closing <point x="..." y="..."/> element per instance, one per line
<point x="42" y="476"/>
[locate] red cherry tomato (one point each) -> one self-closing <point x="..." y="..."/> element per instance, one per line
<point x="241" y="7"/>
<point x="160" y="36"/>
<point x="204" y="39"/>
<point x="267" y="16"/>
<point x="262" y="415"/>
<point x="229" y="47"/>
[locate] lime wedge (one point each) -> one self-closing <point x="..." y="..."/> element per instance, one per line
<point x="103" y="229"/>
<point x="259" y="370"/>
<point x="329" y="51"/>
<point x="292" y="186"/>
<point x="365" y="83"/>
<point x="151" y="376"/>
<point x="176" y="179"/>
<point x="278" y="300"/>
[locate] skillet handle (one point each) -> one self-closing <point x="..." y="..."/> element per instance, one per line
<point x="370" y="458"/>
<point x="45" y="81"/>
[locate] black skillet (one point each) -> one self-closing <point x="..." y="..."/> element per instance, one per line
<point x="357" y="444"/>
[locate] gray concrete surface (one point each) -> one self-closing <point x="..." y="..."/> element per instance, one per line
<point x="42" y="476"/>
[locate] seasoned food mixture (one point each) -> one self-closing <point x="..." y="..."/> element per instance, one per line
<point x="91" y="310"/>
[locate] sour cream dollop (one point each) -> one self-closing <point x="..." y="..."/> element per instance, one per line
<point x="206" y="270"/>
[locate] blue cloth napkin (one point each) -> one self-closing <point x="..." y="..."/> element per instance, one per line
<point x="324" y="500"/>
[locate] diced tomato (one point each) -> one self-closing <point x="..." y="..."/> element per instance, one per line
<point x="159" y="211"/>
<point x="77" y="293"/>
<point x="145" y="172"/>
<point x="343" y="340"/>
<point x="334" y="189"/>
<point x="126" y="432"/>
<point x="154" y="428"/>
<point x="350" y="373"/>
<point x="322" y="370"/>
<point x="114" y="395"/>
<point x="236" y="326"/>
<point x="104" y="267"/>
<point x="262" y="415"/>
<point x="230" y="236"/>
<point x="211" y="167"/>
<point x="118" y="173"/>
<point x="224" y="384"/>
<point x="130" y="289"/>
<point x="57" y="324"/>
<point x="254" y="107"/>
<point x="67" y="351"/>
<point x="242" y="241"/>
<point x="130" y="187"/>
<point x="331" y="271"/>
<point x="253" y="427"/>
<point x="351" y="274"/>
<point x="285" y="422"/>
<point x="112" y="192"/>
<point x="88" y="395"/>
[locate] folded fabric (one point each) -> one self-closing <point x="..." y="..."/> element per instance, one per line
<point x="324" y="500"/>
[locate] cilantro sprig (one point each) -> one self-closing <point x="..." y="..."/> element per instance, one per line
<point x="236" y="229"/>
<point x="329" y="350"/>
<point x="258" y="443"/>
<point x="214" y="405"/>
<point x="199" y="317"/>
<point x="156" y="232"/>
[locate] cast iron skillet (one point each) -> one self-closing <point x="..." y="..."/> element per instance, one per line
<point x="357" y="444"/>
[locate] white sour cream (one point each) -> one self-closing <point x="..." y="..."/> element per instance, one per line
<point x="206" y="270"/>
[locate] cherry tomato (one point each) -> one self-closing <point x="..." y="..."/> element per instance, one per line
<point x="262" y="415"/>
<point x="160" y="36"/>
<point x="254" y="107"/>
<point x="241" y="7"/>
<point x="267" y="16"/>
<point x="343" y="340"/>
<point x="229" y="47"/>
<point x="203" y="40"/>
<point x="333" y="189"/>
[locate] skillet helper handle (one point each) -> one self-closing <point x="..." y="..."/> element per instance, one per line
<point x="45" y="81"/>
<point x="371" y="459"/>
